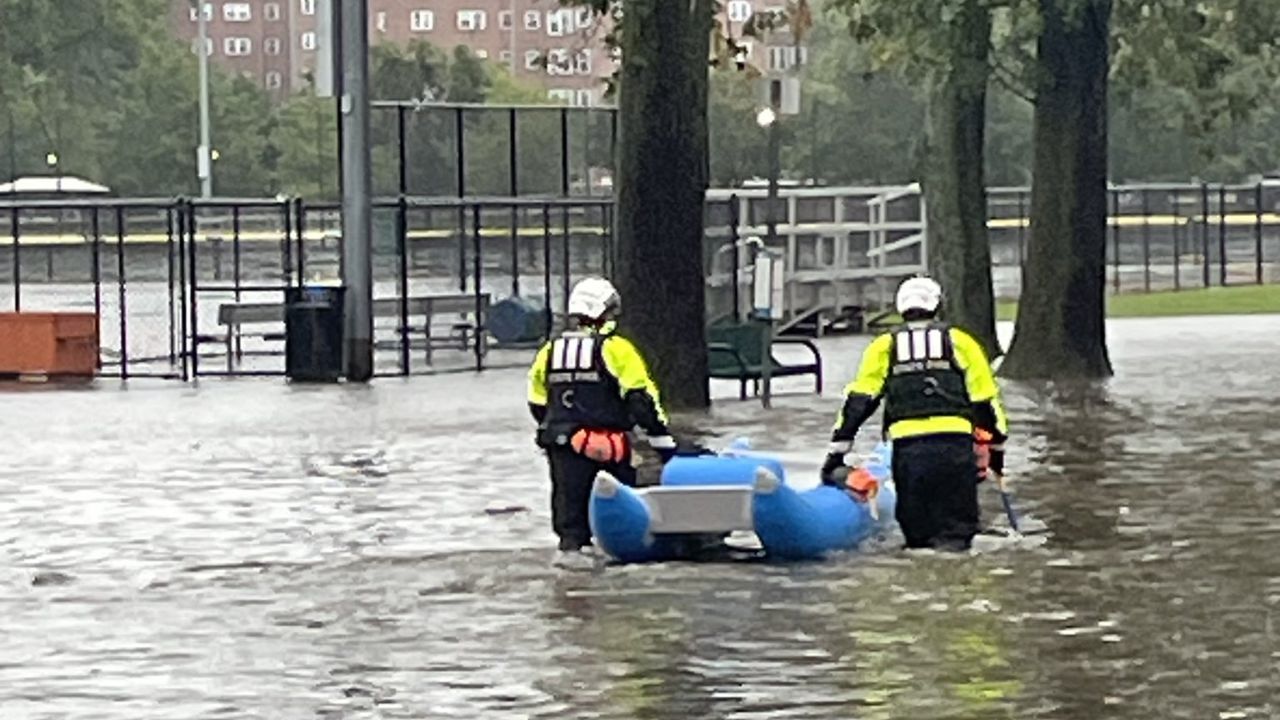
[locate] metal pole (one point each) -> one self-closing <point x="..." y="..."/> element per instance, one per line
<point x="734" y="260"/>
<point x="204" y="168"/>
<point x="775" y="169"/>
<point x="775" y="161"/>
<point x="1257" y="231"/>
<point x="357" y="225"/>
<point x="1222" y="235"/>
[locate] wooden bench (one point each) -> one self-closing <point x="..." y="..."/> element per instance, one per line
<point x="233" y="316"/>
<point x="736" y="352"/>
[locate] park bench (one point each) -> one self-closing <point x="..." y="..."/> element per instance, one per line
<point x="234" y="316"/>
<point x="735" y="351"/>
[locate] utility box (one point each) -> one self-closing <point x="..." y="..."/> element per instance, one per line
<point x="52" y="344"/>
<point x="313" y="321"/>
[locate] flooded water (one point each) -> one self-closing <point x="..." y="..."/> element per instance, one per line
<point x="245" y="549"/>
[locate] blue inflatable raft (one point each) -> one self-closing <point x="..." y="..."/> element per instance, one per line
<point x="700" y="500"/>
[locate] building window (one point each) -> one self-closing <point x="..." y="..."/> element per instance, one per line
<point x="271" y="46"/>
<point x="786" y="57"/>
<point x="532" y="19"/>
<point x="208" y="12"/>
<point x="583" y="99"/>
<point x="271" y="11"/>
<point x="236" y="46"/>
<point x="471" y="20"/>
<point x="380" y="22"/>
<point x="562" y="95"/>
<point x="559" y="22"/>
<point x="582" y="17"/>
<point x="558" y="62"/>
<point x="237" y="12"/>
<point x="422" y="21"/>
<point x="506" y="19"/>
<point x="532" y="58"/>
<point x="308" y="7"/>
<point x="482" y="54"/>
<point x="308" y="41"/>
<point x="582" y="62"/>
<point x="208" y="46"/>
<point x="274" y="81"/>
<point x="739" y="10"/>
<point x="505" y="56"/>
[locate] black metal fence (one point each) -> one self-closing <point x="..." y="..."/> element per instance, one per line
<point x="187" y="289"/>
<point x="461" y="150"/>
<point x="1162" y="236"/>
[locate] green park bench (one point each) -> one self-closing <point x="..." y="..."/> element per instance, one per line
<point x="735" y="351"/>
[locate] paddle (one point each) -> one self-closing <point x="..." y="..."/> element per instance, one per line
<point x="1008" y="503"/>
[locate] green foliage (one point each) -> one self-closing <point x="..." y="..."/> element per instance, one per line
<point x="107" y="88"/>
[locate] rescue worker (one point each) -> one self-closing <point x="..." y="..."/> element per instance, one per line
<point x="938" y="391"/>
<point x="587" y="389"/>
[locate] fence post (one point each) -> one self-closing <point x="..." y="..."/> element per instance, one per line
<point x="1257" y="231"/>
<point x="17" y="261"/>
<point x="194" y="283"/>
<point x="564" y="151"/>
<point x="734" y="259"/>
<point x="481" y="320"/>
<point x="182" y="280"/>
<point x="1177" y="241"/>
<point x="1222" y="235"/>
<point x="168" y="246"/>
<point x="402" y="250"/>
<point x="546" y="268"/>
<point x="120" y="290"/>
<point x="459" y="132"/>
<point x="1146" y="242"/>
<point x="1204" y="231"/>
<point x="1114" y="221"/>
<point x="514" y="186"/>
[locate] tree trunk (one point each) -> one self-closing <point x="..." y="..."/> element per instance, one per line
<point x="1061" y="332"/>
<point x="662" y="180"/>
<point x="954" y="181"/>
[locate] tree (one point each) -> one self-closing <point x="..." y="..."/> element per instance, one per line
<point x="1223" y="56"/>
<point x="1060" y="330"/>
<point x="661" y="182"/>
<point x="946" y="43"/>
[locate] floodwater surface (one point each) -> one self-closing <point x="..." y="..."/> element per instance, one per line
<point x="246" y="549"/>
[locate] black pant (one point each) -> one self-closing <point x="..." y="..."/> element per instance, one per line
<point x="937" y="483"/>
<point x="572" y="476"/>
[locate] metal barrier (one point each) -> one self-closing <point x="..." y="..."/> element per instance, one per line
<point x="1162" y="236"/>
<point x="186" y="289"/>
<point x="171" y="280"/>
<point x="459" y="150"/>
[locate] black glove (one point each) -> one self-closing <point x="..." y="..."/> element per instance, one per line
<point x="689" y="448"/>
<point x="834" y="462"/>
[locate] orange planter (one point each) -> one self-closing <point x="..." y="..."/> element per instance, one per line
<point x="49" y="343"/>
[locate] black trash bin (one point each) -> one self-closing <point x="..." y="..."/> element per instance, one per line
<point x="313" y="333"/>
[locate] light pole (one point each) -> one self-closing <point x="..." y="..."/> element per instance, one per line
<point x="357" y="218"/>
<point x="767" y="118"/>
<point x="204" y="168"/>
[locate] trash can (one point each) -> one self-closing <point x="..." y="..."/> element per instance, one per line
<point x="517" y="320"/>
<point x="313" y="333"/>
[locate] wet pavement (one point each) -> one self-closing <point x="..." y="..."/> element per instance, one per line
<point x="246" y="549"/>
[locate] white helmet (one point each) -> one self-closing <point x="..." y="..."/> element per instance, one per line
<point x="919" y="293"/>
<point x="593" y="298"/>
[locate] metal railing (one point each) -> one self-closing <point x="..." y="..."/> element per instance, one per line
<point x="165" y="276"/>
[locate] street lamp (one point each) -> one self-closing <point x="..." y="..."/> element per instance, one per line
<point x="203" y="169"/>
<point x="767" y="118"/>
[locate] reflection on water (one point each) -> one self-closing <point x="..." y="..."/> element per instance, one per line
<point x="245" y="549"/>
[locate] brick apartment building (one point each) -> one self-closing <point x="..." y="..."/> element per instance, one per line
<point x="275" y="41"/>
